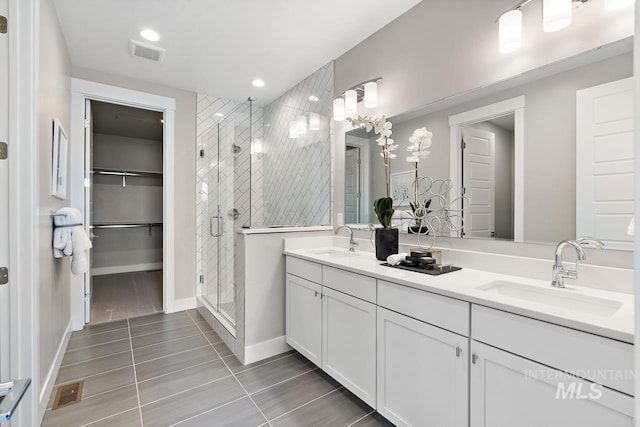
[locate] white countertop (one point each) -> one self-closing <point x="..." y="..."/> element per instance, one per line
<point x="463" y="285"/>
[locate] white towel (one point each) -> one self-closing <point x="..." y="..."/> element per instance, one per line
<point x="397" y="258"/>
<point x="71" y="240"/>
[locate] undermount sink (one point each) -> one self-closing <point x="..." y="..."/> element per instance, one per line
<point x="335" y="253"/>
<point x="552" y="297"/>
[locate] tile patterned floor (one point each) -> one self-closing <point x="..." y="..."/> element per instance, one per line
<point x="165" y="370"/>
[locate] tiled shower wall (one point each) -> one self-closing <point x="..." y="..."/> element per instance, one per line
<point x="297" y="171"/>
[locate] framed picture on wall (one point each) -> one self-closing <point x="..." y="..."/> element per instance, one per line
<point x="402" y="187"/>
<point x="59" y="161"/>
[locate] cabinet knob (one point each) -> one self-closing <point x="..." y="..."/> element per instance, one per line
<point x="474" y="358"/>
<point x="458" y="351"/>
<point x="316" y="293"/>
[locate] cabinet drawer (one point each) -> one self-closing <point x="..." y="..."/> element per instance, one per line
<point x="444" y="312"/>
<point x="305" y="269"/>
<point x="356" y="285"/>
<point x="601" y="360"/>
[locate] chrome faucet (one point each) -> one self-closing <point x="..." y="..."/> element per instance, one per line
<point x="559" y="272"/>
<point x="352" y="243"/>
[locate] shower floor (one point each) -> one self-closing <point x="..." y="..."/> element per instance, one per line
<point x="124" y="295"/>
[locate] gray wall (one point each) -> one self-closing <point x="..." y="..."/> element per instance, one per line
<point x="53" y="274"/>
<point x="185" y="161"/>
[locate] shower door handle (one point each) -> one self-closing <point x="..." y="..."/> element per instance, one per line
<point x="218" y="233"/>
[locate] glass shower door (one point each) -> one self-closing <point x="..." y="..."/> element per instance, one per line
<point x="224" y="176"/>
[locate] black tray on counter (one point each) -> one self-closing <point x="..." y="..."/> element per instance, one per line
<point x="431" y="272"/>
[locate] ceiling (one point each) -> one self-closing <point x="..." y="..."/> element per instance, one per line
<point x="217" y="47"/>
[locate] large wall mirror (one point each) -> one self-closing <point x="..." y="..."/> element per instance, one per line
<point x="547" y="155"/>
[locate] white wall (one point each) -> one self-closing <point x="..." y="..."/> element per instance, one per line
<point x="185" y="163"/>
<point x="53" y="274"/>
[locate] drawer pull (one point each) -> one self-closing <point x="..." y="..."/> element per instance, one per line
<point x="458" y="351"/>
<point x="474" y="358"/>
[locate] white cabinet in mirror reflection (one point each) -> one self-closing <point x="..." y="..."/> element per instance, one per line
<point x="605" y="163"/>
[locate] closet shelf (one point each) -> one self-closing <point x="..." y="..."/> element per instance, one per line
<point x="125" y="173"/>
<point x="129" y="225"/>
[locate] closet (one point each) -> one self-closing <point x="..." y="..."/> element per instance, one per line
<point x="125" y="203"/>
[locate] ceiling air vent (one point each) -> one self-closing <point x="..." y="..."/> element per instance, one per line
<point x="147" y="51"/>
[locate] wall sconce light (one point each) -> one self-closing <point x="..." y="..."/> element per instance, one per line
<point x="556" y="15"/>
<point x="314" y="121"/>
<point x="338" y="110"/>
<point x="347" y="103"/>
<point x="510" y="31"/>
<point x="301" y="125"/>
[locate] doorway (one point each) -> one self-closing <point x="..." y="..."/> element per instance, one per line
<point x="124" y="147"/>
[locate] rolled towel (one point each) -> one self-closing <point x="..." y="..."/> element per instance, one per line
<point x="397" y="258"/>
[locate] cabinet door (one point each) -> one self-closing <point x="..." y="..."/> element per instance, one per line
<point x="422" y="373"/>
<point x="349" y="343"/>
<point x="507" y="391"/>
<point x="304" y="317"/>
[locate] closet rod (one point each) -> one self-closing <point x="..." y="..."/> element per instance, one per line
<point x="125" y="173"/>
<point x="134" y="225"/>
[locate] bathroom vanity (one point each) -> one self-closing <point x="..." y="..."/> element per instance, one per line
<point x="468" y="348"/>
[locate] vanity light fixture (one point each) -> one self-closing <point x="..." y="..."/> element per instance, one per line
<point x="149" y="34"/>
<point x="347" y="103"/>
<point x="301" y="125"/>
<point x="556" y="15"/>
<point x="314" y="121"/>
<point x="610" y="5"/>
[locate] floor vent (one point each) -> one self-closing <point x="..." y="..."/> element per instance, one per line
<point x="146" y="51"/>
<point x="68" y="394"/>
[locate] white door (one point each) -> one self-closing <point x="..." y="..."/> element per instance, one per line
<point x="478" y="182"/>
<point x="508" y="391"/>
<point x="604" y="163"/>
<point x="88" y="208"/>
<point x="423" y="373"/>
<point x="304" y="317"/>
<point x="4" y="199"/>
<point x="349" y="343"/>
<point x="352" y="185"/>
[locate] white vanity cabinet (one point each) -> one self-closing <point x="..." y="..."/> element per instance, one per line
<point x="524" y="381"/>
<point x="331" y="320"/>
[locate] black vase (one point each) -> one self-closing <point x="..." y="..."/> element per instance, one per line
<point x="386" y="242"/>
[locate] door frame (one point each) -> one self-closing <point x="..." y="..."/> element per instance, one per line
<point x="364" y="171"/>
<point x="82" y="90"/>
<point x="458" y="121"/>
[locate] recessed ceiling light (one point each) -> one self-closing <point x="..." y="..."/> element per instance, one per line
<point x="314" y="98"/>
<point x="150" y="35"/>
<point x="218" y="114"/>
<point x="257" y="83"/>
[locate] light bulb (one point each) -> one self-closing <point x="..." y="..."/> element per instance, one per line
<point x="510" y="31"/>
<point x="556" y="14"/>
<point x="371" y="95"/>
<point x="350" y="102"/>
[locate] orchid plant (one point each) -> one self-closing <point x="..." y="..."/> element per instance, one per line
<point x="419" y="141"/>
<point x="383" y="206"/>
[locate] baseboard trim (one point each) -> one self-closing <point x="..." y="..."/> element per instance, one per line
<point x="262" y="350"/>
<point x="101" y="271"/>
<point x="49" y="382"/>
<point x="183" y="304"/>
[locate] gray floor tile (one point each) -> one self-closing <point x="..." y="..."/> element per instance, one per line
<point x="94" y="366"/>
<point x="159" y="317"/>
<point x="196" y="316"/>
<point x="235" y="365"/>
<point x="103" y="382"/>
<point x="92" y="409"/>
<point x="88" y="353"/>
<point x="241" y="413"/>
<point x="166" y="365"/>
<point x="160" y="387"/>
<point x="289" y="395"/>
<point x="88" y="340"/>
<point x="205" y="327"/>
<point x="222" y="349"/>
<point x="191" y="403"/>
<point x="170" y="335"/>
<point x="373" y="420"/>
<point x="166" y="325"/>
<point x="101" y="327"/>
<point x="213" y="337"/>
<point x="150" y="352"/>
<point x="267" y="375"/>
<point x="126" y="419"/>
<point x="337" y="409"/>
